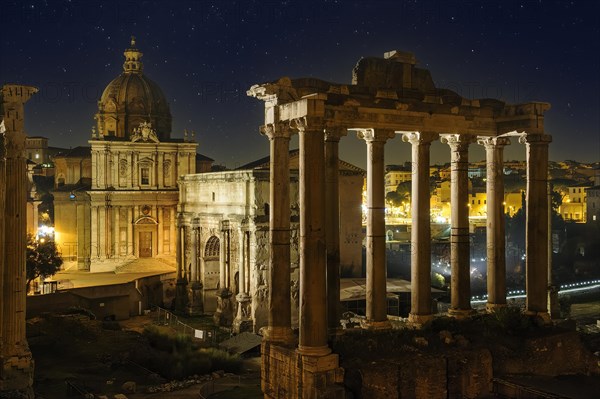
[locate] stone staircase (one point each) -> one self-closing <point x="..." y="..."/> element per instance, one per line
<point x="147" y="265"/>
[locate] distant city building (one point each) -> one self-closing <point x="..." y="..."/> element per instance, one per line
<point x="36" y="149"/>
<point x="396" y="174"/>
<point x="573" y="207"/>
<point x="593" y="199"/>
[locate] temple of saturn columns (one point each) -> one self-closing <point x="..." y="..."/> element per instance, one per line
<point x="388" y="97"/>
<point x="16" y="373"/>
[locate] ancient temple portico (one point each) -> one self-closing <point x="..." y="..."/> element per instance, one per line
<point x="389" y="96"/>
<point x="16" y="363"/>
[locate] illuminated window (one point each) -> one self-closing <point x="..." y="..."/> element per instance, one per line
<point x="145" y="178"/>
<point x="37" y="156"/>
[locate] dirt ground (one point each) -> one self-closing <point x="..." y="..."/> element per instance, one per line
<point x="74" y="355"/>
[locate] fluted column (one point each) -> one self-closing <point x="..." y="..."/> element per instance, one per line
<point x="460" y="287"/>
<point x="495" y="230"/>
<point x="313" y="289"/>
<point x="16" y="365"/>
<point x="536" y="230"/>
<point x="376" y="311"/>
<point x="420" y="311"/>
<point x="279" y="317"/>
<point x="332" y="223"/>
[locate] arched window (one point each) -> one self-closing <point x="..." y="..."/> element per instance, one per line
<point x="211" y="251"/>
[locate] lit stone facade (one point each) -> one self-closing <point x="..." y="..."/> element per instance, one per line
<point x="125" y="208"/>
<point x="223" y="227"/>
<point x="390" y="97"/>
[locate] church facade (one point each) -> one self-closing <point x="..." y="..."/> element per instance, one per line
<point x="126" y="209"/>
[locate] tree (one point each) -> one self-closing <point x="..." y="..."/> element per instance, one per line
<point x="43" y="259"/>
<point x="396" y="198"/>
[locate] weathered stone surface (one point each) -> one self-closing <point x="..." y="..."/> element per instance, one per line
<point x="550" y="355"/>
<point x="469" y="374"/>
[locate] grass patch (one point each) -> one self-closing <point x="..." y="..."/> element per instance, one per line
<point x="175" y="356"/>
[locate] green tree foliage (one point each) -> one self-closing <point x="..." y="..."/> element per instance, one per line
<point x="43" y="259"/>
<point x="396" y="198"/>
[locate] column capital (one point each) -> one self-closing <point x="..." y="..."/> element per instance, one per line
<point x="419" y="137"/>
<point x="536" y="139"/>
<point x="306" y="123"/>
<point x="334" y="134"/>
<point x="490" y="142"/>
<point x="457" y="141"/>
<point x="276" y="130"/>
<point x="371" y="135"/>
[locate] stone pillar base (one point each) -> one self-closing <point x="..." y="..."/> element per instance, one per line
<point x="181" y="295"/>
<point x="224" y="314"/>
<point x="280" y="336"/>
<point x="375" y="325"/>
<point x="195" y="306"/>
<point x="17" y="376"/>
<point x="461" y="314"/>
<point x="286" y="374"/>
<point x="419" y="320"/>
<point x="543" y="317"/>
<point x="242" y="321"/>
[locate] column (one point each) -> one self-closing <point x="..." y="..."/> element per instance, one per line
<point x="172" y="238"/>
<point x="279" y="317"/>
<point x="117" y="232"/>
<point x="332" y="223"/>
<point x="495" y="230"/>
<point x="194" y="250"/>
<point x="536" y="230"/>
<point x="420" y="266"/>
<point x="160" y="226"/>
<point x="224" y="313"/>
<point x="102" y="231"/>
<point x="242" y="320"/>
<point x="376" y="259"/>
<point x="460" y="287"/>
<point x="179" y="255"/>
<point x="95" y="232"/>
<point x="16" y="365"/>
<point x="313" y="289"/>
<point x="129" y="231"/>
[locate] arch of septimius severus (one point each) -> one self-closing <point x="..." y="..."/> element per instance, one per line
<point x="388" y="97"/>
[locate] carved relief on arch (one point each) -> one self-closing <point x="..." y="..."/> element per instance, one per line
<point x="212" y="248"/>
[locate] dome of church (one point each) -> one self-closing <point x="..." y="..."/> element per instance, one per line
<point x="132" y="99"/>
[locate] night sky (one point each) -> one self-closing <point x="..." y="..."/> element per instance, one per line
<point x="205" y="55"/>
